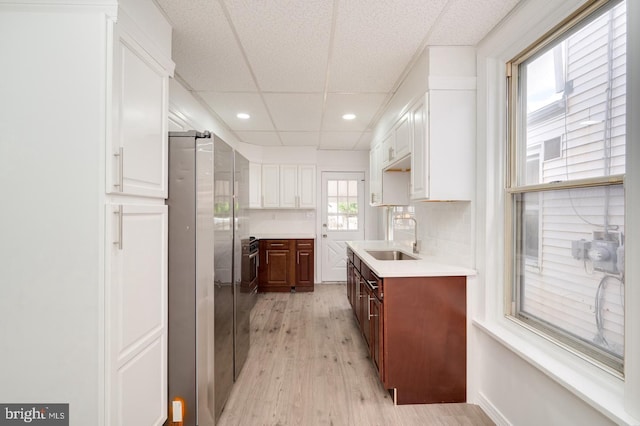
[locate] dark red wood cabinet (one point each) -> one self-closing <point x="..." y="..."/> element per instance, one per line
<point x="286" y="265"/>
<point x="304" y="265"/>
<point x="415" y="330"/>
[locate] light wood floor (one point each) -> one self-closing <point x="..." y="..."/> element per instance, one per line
<point x="308" y="365"/>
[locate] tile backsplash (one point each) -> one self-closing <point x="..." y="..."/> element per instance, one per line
<point x="286" y="222"/>
<point x="444" y="231"/>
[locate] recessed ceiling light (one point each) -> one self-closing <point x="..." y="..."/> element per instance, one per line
<point x="349" y="116"/>
<point x="243" y="116"/>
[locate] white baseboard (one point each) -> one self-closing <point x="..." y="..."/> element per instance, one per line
<point x="492" y="411"/>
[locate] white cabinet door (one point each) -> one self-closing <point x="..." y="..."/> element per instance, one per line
<point x="136" y="314"/>
<point x="387" y="148"/>
<point x="306" y="186"/>
<point x="375" y="174"/>
<point x="451" y="144"/>
<point x="137" y="157"/>
<point x="270" y="186"/>
<point x="420" y="149"/>
<point x="403" y="138"/>
<point x="255" y="185"/>
<point x="288" y="186"/>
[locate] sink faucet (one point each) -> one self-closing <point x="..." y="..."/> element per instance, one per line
<point x="415" y="230"/>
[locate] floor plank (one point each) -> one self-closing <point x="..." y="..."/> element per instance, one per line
<point x="308" y="365"/>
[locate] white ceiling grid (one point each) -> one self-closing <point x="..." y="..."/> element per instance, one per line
<point x="297" y="66"/>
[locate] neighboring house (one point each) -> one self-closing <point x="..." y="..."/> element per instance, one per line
<point x="576" y="129"/>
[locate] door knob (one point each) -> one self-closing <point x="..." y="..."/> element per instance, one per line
<point x="324" y="235"/>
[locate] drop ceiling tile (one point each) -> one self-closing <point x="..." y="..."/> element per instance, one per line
<point x="260" y="138"/>
<point x="300" y="138"/>
<point x="295" y="111"/>
<point x="339" y="140"/>
<point x="372" y="48"/>
<point x="286" y="42"/>
<point x="465" y="23"/>
<point x="227" y="105"/>
<point x="204" y="48"/>
<point x="363" y="105"/>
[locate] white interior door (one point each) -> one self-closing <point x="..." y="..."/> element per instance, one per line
<point x="342" y="220"/>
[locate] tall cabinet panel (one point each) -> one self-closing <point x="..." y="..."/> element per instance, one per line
<point x="137" y="296"/>
<point x="136" y="306"/>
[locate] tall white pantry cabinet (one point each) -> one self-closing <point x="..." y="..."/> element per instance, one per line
<point x="83" y="229"/>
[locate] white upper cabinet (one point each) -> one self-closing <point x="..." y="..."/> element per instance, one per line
<point x="270" y="186"/>
<point x="403" y="138"/>
<point x="434" y="140"/>
<point x="255" y="185"/>
<point x="390" y="188"/>
<point x="288" y="186"/>
<point x="386" y="149"/>
<point x="397" y="144"/>
<point x="443" y="130"/>
<point x="137" y="158"/>
<point x="419" y="159"/>
<point x="375" y="174"/>
<point x="306" y="186"/>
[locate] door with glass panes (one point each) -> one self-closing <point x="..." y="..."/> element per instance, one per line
<point x="342" y="220"/>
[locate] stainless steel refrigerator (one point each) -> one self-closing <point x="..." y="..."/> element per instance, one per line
<point x="209" y="306"/>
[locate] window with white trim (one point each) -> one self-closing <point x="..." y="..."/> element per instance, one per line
<point x="565" y="194"/>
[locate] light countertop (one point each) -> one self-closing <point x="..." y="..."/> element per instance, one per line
<point x="424" y="266"/>
<point x="285" y="236"/>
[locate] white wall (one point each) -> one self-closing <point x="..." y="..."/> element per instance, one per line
<point x="51" y="167"/>
<point x="516" y="376"/>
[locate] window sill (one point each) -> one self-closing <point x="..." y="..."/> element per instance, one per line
<point x="596" y="387"/>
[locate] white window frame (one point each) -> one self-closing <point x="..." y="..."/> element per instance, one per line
<point x="613" y="397"/>
<point x="515" y="189"/>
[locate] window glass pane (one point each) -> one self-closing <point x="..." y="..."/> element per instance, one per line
<point x="575" y="90"/>
<point x="343" y="188"/>
<point x="332" y="188"/>
<point x="332" y="205"/>
<point x="576" y="286"/>
<point x="568" y="244"/>
<point x="342" y="205"/>
<point x="353" y="188"/>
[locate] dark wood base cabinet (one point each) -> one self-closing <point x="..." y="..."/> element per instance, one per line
<point x="286" y="265"/>
<point x="416" y="332"/>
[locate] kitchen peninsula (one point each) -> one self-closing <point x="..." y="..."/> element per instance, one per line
<point x="411" y="311"/>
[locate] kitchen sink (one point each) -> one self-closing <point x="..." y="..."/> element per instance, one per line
<point x="390" y="255"/>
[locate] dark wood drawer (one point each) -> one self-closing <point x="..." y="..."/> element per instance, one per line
<point x="276" y="244"/>
<point x="304" y="244"/>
